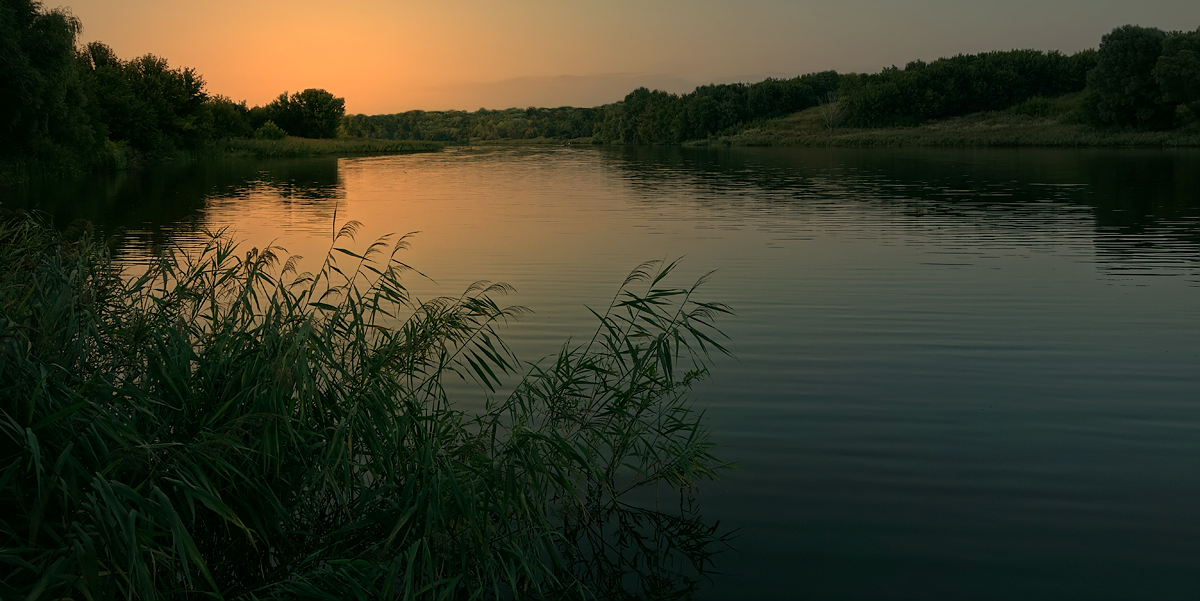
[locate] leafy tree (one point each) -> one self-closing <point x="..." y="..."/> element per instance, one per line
<point x="68" y="108"/>
<point x="41" y="106"/>
<point x="224" y="118"/>
<point x="646" y="117"/>
<point x="313" y="113"/>
<point x="961" y="85"/>
<point x="144" y="102"/>
<point x="1123" y="86"/>
<point x="1178" y="72"/>
<point x="257" y="116"/>
<point x="174" y="96"/>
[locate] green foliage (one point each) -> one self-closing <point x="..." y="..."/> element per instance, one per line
<point x="1035" y="107"/>
<point x="269" y="131"/>
<point x="144" y="102"/>
<point x="257" y="116"/>
<point x="223" y="118"/>
<point x="41" y="115"/>
<point x="65" y="109"/>
<point x="312" y="113"/>
<point x="1123" y="86"/>
<point x="461" y="126"/>
<point x="1178" y="73"/>
<point x="215" y="426"/>
<point x="961" y="85"/>
<point x="646" y="117"/>
<point x="1066" y="107"/>
<point x="289" y="147"/>
<point x="643" y="117"/>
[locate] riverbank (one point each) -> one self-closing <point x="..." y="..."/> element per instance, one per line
<point x="308" y="147"/>
<point x="118" y="158"/>
<point x="1011" y="128"/>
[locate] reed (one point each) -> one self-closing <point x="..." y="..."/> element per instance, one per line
<point x="221" y="426"/>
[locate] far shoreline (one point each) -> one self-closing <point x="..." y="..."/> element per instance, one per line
<point x="980" y="130"/>
<point x="993" y="129"/>
<point x="292" y="146"/>
<point x="801" y="130"/>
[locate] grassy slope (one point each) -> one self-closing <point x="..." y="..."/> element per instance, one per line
<point x="304" y="147"/>
<point x="1035" y="123"/>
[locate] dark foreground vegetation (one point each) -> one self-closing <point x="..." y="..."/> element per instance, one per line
<point x="220" y="426"/>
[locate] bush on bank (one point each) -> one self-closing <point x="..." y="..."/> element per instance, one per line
<point x="221" y="426"/>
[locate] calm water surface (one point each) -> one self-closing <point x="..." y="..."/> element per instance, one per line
<point x="957" y="374"/>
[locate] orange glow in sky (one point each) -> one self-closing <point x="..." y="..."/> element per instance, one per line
<point x="387" y="56"/>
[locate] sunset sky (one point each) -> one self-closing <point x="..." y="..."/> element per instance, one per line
<point x="388" y="56"/>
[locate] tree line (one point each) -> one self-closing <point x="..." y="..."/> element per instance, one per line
<point x="1146" y="77"/>
<point x="960" y="85"/>
<point x="1139" y="77"/>
<point x="64" y="104"/>
<point x="462" y="126"/>
<point x="643" y="117"/>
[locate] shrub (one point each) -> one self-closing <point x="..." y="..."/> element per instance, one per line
<point x="1063" y="107"/>
<point x="218" y="426"/>
<point x="270" y="131"/>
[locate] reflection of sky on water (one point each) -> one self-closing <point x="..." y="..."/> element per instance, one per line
<point x="1139" y="211"/>
<point x="1136" y="212"/>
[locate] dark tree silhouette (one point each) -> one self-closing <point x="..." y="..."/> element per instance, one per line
<point x="1123" y="87"/>
<point x="1178" y="72"/>
<point x="313" y="113"/>
<point x="40" y="96"/>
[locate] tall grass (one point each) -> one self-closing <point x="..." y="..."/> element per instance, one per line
<point x="222" y="426"/>
<point x="291" y="147"/>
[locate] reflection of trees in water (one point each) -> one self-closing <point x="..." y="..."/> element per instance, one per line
<point x="1139" y="206"/>
<point x="298" y="180"/>
<point x="172" y="197"/>
<point x="626" y="552"/>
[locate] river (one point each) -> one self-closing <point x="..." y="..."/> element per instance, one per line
<point x="955" y="374"/>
